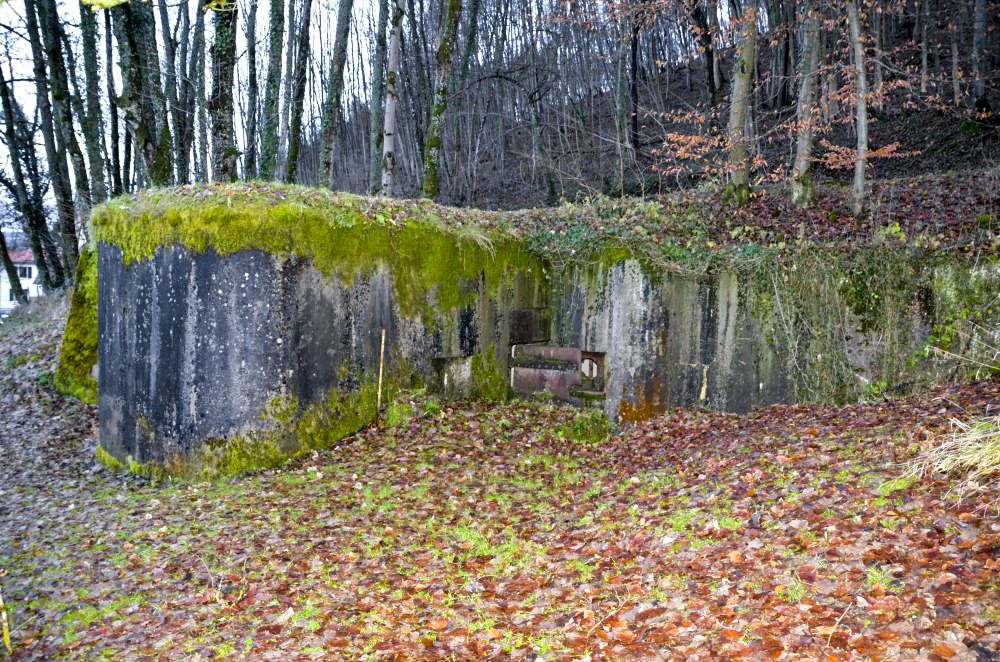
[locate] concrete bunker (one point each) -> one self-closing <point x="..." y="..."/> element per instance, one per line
<point x="239" y="328"/>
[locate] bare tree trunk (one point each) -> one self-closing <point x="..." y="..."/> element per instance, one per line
<point x="176" y="113"/>
<point x="301" y="69"/>
<point x="470" y="41"/>
<point x="127" y="162"/>
<point x="61" y="99"/>
<point x="622" y="144"/>
<point x="637" y="18"/>
<point x="979" y="52"/>
<point x="75" y="97"/>
<point x="879" y="55"/>
<point x="294" y="31"/>
<point x="272" y="88"/>
<point x="198" y="76"/>
<point x="147" y="40"/>
<point x="780" y="30"/>
<point x="392" y="101"/>
<point x="20" y="144"/>
<point x="116" y="168"/>
<point x="146" y="123"/>
<point x="58" y="170"/>
<point x="704" y="37"/>
<point x="739" y="163"/>
<point x="831" y="81"/>
<point x="220" y="107"/>
<point x="859" y="193"/>
<point x="435" y="132"/>
<point x="377" y="125"/>
<point x="335" y="88"/>
<point x="250" y="166"/>
<point x="956" y="71"/>
<point x="803" y="191"/>
<point x="92" y="121"/>
<point x="713" y="22"/>
<point x="185" y="126"/>
<point x="422" y="93"/>
<point x="925" y="17"/>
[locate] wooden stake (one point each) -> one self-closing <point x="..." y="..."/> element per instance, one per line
<point x="381" y="363"/>
<point x="5" y="627"/>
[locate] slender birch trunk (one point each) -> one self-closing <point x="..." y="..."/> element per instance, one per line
<point x="389" y="161"/>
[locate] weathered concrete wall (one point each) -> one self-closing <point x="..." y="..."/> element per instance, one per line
<point x="669" y="341"/>
<point x="244" y="328"/>
<point x="815" y="328"/>
<point x="219" y="363"/>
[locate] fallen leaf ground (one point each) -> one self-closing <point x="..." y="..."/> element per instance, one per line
<point x="475" y="531"/>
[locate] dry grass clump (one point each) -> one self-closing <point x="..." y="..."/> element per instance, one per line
<point x="971" y="455"/>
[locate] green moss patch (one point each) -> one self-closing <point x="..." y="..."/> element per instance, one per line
<point x="286" y="432"/>
<point x="433" y="252"/>
<point x="78" y="353"/>
<point x="590" y="426"/>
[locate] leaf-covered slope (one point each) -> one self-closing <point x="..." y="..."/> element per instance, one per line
<point x="492" y="532"/>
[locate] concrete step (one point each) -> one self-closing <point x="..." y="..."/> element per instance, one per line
<point x="528" y="381"/>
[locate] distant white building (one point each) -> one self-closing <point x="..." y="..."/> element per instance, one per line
<point x="24" y="262"/>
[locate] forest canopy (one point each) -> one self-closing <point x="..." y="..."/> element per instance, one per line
<point x="488" y="103"/>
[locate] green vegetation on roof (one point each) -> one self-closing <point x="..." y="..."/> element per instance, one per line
<point x="436" y="251"/>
